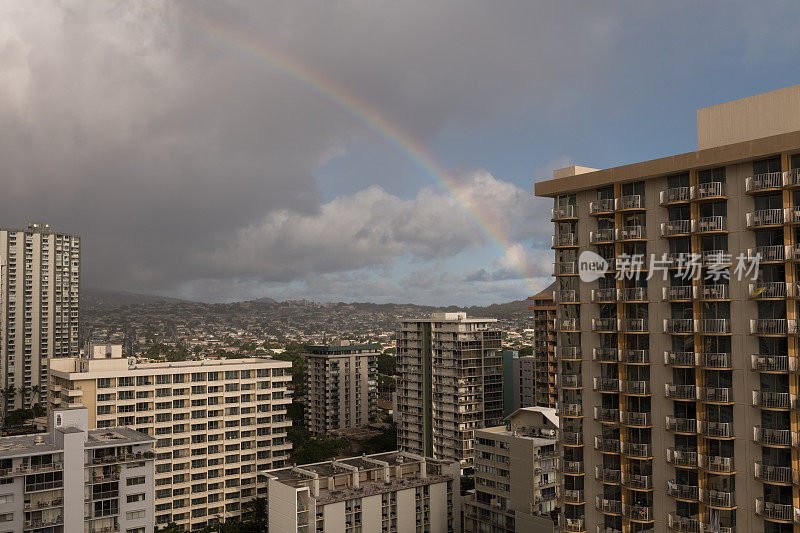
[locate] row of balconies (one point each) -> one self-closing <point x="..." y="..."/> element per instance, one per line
<point x="620" y="385"/>
<point x="693" y="493"/>
<point x="701" y="191"/>
<point x="682" y="228"/>
<point x="623" y="203"/>
<point x="678" y="326"/>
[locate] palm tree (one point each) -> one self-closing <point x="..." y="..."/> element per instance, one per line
<point x="256" y="512"/>
<point x="8" y="394"/>
<point x="36" y="392"/>
<point x="23" y="392"/>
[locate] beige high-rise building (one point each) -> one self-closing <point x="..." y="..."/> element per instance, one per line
<point x="515" y="474"/>
<point x="341" y="386"/>
<point x="217" y="424"/>
<point x="678" y="393"/>
<point x="40" y="280"/>
<point x="544" y="348"/>
<point x="450" y="383"/>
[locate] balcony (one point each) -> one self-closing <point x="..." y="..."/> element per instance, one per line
<point x="571" y="496"/>
<point x="606" y="355"/>
<point x="764" y="218"/>
<point x="774" y="400"/>
<point x="566" y="268"/>
<point x="564" y="212"/>
<point x="766" y="254"/>
<point x="565" y="296"/>
<point x="716" y="395"/>
<point x="636" y="387"/>
<point x="569" y="353"/>
<point x="604" y="325"/>
<point x="680" y="392"/>
<point x="635" y="357"/>
<point x="776" y="474"/>
<point x="681" y="359"/>
<point x="565" y="240"/>
<point x="607" y="445"/>
<point x="607" y="385"/>
<point x="682" y="458"/>
<point x="637" y="513"/>
<point x="633" y="325"/>
<point x="635" y="418"/>
<point x="718" y="498"/>
<point x="678" y="325"/>
<point x="631" y="233"/>
<point x="720" y="360"/>
<point x="575" y="525"/>
<point x="792" y="214"/>
<point x="570" y="381"/>
<point x="775" y="511"/>
<point x="675" y="228"/>
<point x="771" y="326"/>
<point x="598" y="207"/>
<point x="602" y="414"/>
<point x="717" y="430"/>
<point x="629" y="202"/>
<point x="711" y="189"/>
<point x="571" y="438"/>
<point x="641" y="451"/>
<point x="775" y="437"/>
<point x="682" y="425"/>
<point x="607" y="295"/>
<point x="710" y="224"/>
<point x="768" y="291"/>
<point x="569" y="409"/>
<point x="607" y="506"/>
<point x="792" y="252"/>
<point x="566" y="324"/>
<point x="716" y="257"/>
<point x="773" y="363"/>
<point x="675" y="195"/>
<point x="574" y="468"/>
<point x="677" y="293"/>
<point x="711" y="292"/>
<point x="632" y="294"/>
<point x="792" y="178"/>
<point x="607" y="475"/>
<point x="689" y="493"/>
<point x="684" y="524"/>
<point x="716" y="464"/>
<point x="601" y="236"/>
<point x="764" y="182"/>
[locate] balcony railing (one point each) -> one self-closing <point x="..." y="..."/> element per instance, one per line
<point x="604" y="295"/>
<point x="607" y="445"/>
<point x="565" y="239"/>
<point x="680" y="392"/>
<point x="636" y="387"/>
<point x="674" y="195"/>
<point x="603" y="414"/>
<point x="773" y="363"/>
<point x="683" y="492"/>
<point x="571" y="438"/>
<point x="634" y="325"/>
<point x="792" y="214"/>
<point x="775" y="437"/>
<point x="775" y="511"/>
<point x="632" y="294"/>
<point x="717" y="498"/>
<point x="768" y="253"/>
<point x="572" y="496"/>
<point x="776" y="474"/>
<point x="711" y="189"/>
<point x="609" y="355"/>
<point x="607" y="384"/>
<point x="684" y="524"/>
<point x="565" y="296"/>
<point x="716" y="360"/>
<point x="629" y="233"/>
<point x="601" y="206"/>
<point x="607" y="506"/>
<point x="569" y="352"/>
<point x="711" y="292"/>
<point x="607" y="475"/>
<point x="566" y="324"/>
<point x="681" y="292"/>
<point x="792" y="177"/>
<point x="774" y="400"/>
<point x="637" y="450"/>
<point x="716" y="394"/>
<point x="716" y="464"/>
<point x="716" y="257"/>
<point x="717" y="430"/>
<point x="604" y="324"/>
<point x="575" y="525"/>
<point x="678" y="325"/>
<point x="570" y="381"/>
<point x="637" y="513"/>
<point x="631" y="201"/>
<point x="764" y="217"/>
<point x="632" y="356"/>
<point x="710" y="224"/>
<point x="760" y="182"/>
<point x="687" y="359"/>
<point x="792" y="252"/>
<point x="681" y="425"/>
<point x="682" y="458"/>
<point x="569" y="409"/>
<point x="773" y="289"/>
<point x="635" y="418"/>
<point x="572" y="467"/>
<point x="771" y="326"/>
<point x="569" y="268"/>
<point x="564" y="211"/>
<point x="601" y="235"/>
<point x="676" y="227"/>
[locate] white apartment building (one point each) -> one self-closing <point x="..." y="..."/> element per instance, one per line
<point x="341" y="387"/>
<point x="515" y="474"/>
<point x="76" y="479"/>
<point x="217" y="424"/>
<point x="40" y="278"/>
<point x="450" y="384"/>
<point x="386" y="492"/>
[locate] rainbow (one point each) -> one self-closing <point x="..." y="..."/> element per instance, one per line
<point x="334" y="93"/>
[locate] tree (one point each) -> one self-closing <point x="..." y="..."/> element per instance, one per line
<point x="23" y="392"/>
<point x="8" y="394"/>
<point x="386" y="364"/>
<point x="256" y="514"/>
<point x="36" y="392"/>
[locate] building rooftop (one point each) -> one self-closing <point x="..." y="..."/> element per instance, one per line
<point x="116" y="436"/>
<point x="342" y="349"/>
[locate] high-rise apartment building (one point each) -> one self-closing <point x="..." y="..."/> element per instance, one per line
<point x="544" y="349"/>
<point x="341" y="386"/>
<point x="524" y="381"/>
<point x="450" y="383"/>
<point x="217" y="424"/>
<point x="678" y="393"/>
<point x="515" y="474"/>
<point x="386" y="492"/>
<point x="77" y="479"/>
<point x="40" y="280"/>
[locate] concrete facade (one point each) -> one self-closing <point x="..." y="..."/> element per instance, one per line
<point x="544" y="349"/>
<point x="40" y="280"/>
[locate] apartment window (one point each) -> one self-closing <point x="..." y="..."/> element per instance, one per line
<point x="134" y="515"/>
<point x="133" y="498"/>
<point x="138" y="480"/>
<point x="135" y="530"/>
<point x="6" y="498"/>
<point x="6" y="517"/>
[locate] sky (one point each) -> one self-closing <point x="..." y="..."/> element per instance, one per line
<point x="349" y="150"/>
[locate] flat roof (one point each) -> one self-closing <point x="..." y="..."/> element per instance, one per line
<point x="324" y="349"/>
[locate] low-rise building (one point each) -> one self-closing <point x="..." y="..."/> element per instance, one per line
<point x="386" y="492"/>
<point x="77" y="479"/>
<point x="515" y="474"/>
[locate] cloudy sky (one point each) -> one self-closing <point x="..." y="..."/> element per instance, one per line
<point x="227" y="150"/>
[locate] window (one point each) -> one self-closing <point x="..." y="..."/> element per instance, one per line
<point x="133" y="515"/>
<point x="6" y="517"/>
<point x="133" y="498"/>
<point x="135" y="530"/>
<point x="6" y="498"/>
<point x="138" y="480"/>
